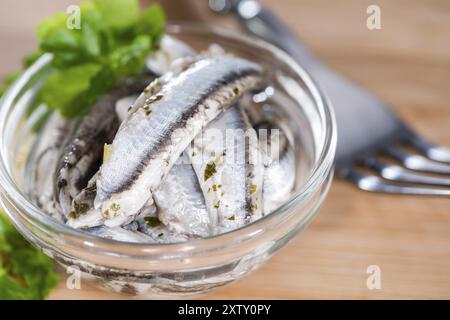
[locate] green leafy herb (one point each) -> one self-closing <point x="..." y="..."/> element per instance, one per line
<point x="64" y="89"/>
<point x="112" y="42"/>
<point x="210" y="170"/>
<point x="25" y="273"/>
<point x="118" y="14"/>
<point x="152" y="222"/>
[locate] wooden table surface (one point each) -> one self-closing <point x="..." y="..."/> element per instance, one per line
<point x="407" y="64"/>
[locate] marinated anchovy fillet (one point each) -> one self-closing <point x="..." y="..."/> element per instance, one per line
<point x="180" y="202"/>
<point x="51" y="141"/>
<point x="149" y="223"/>
<point x="151" y="139"/>
<point x="81" y="157"/>
<point x="230" y="171"/>
<point x="279" y="174"/>
<point x="83" y="214"/>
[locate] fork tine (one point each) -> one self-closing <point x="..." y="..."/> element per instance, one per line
<point x="376" y="184"/>
<point x="398" y="173"/>
<point x="437" y="153"/>
<point x="417" y="162"/>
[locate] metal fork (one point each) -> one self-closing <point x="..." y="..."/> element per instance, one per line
<point x="367" y="128"/>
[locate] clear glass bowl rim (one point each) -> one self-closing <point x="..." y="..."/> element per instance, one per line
<point x="322" y="168"/>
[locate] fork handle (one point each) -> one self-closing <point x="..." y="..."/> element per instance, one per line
<point x="360" y="116"/>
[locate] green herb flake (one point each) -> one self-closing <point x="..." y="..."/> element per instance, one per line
<point x="210" y="170"/>
<point x="115" y="207"/>
<point x="152" y="222"/>
<point x="73" y="215"/>
<point x="80" y="207"/>
<point x="217" y="205"/>
<point x="235" y="91"/>
<point x="154" y="99"/>
<point x="253" y="188"/>
<point x="232" y="218"/>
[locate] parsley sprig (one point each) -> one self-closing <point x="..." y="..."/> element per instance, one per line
<point x="112" y="41"/>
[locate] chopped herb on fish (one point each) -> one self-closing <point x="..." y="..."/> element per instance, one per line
<point x="210" y="170"/>
<point x="152" y="222"/>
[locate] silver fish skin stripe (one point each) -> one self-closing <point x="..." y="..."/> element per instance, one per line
<point x="230" y="171"/>
<point x="51" y="140"/>
<point x="153" y="137"/>
<point x="180" y="202"/>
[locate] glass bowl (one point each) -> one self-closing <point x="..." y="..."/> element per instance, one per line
<point x="193" y="267"/>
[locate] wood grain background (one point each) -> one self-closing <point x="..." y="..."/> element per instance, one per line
<point x="406" y="63"/>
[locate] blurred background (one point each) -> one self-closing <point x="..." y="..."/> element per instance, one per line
<point x="407" y="64"/>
